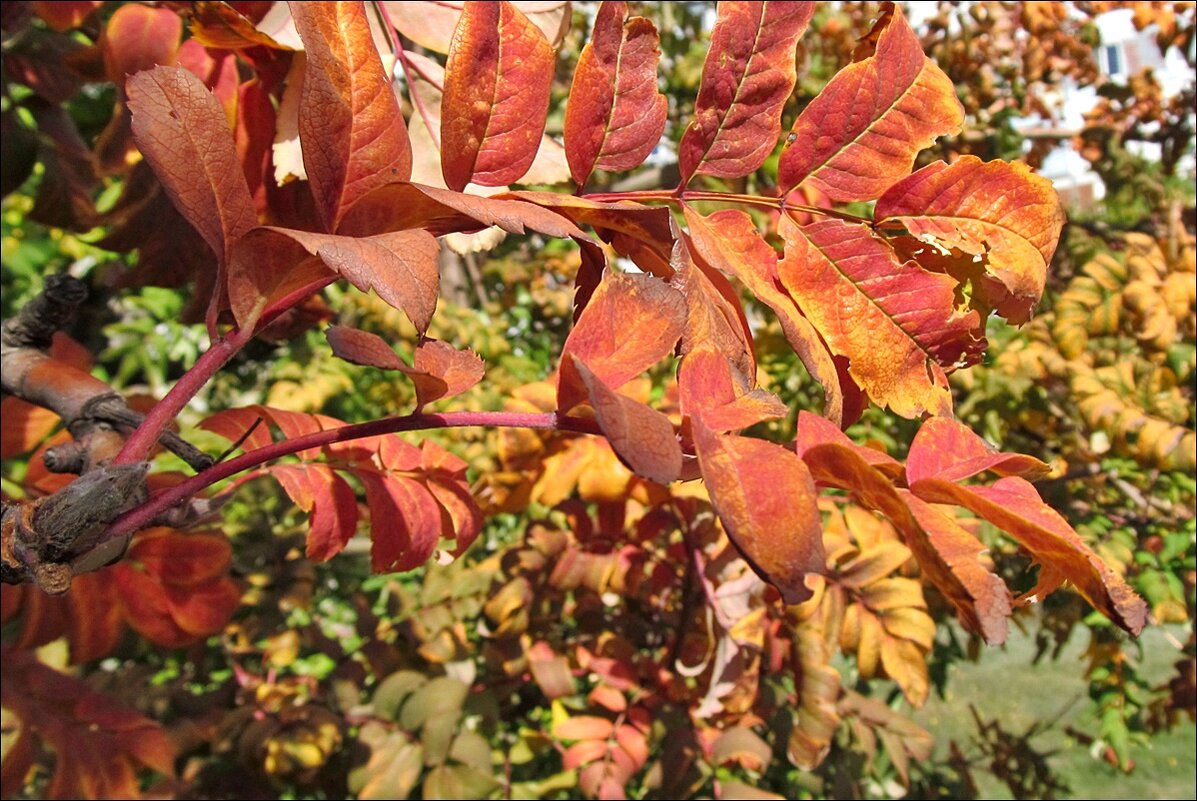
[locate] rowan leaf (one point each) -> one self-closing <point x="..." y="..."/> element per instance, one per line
<point x="1000" y="213"/>
<point x="497" y="82"/>
<point x="947" y="555"/>
<point x="431" y="25"/>
<point x="401" y="267"/>
<point x="951" y="451"/>
<point x="747" y="77"/>
<point x="220" y="26"/>
<point x="100" y="743"/>
<point x="350" y="125"/>
<point x="818" y="685"/>
<point x="1014" y="506"/>
<point x="896" y="323"/>
<point x="771" y="515"/>
<point x="863" y="131"/>
<point x="642" y="436"/>
<point x="616" y="114"/>
<point x="714" y="314"/>
<point x="439" y="370"/>
<point x="182" y="130"/>
<point x="729" y="241"/>
<point x="630" y="324"/>
<point x="330" y="502"/>
<point x="709" y="389"/>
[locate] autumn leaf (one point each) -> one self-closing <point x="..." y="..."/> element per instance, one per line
<point x="1000" y="213"/>
<point x="101" y="744"/>
<point x="497" y="82"/>
<point x="220" y="26"/>
<point x="728" y="240"/>
<point x="896" y="323"/>
<point x="431" y="25"/>
<point x="748" y="75"/>
<point x="947" y="554"/>
<point x="642" y="436"/>
<point x="1014" y="506"/>
<point x="771" y="514"/>
<point x="182" y="130"/>
<point x="400" y="267"/>
<point x="616" y="113"/>
<point x="709" y="389"/>
<point x="350" y="125"/>
<point x="630" y="324"/>
<point x="863" y="131"/>
<point x="439" y="370"/>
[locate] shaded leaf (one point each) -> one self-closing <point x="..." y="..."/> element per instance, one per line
<point x="401" y="267"/>
<point x="439" y="369"/>
<point x="181" y="129"/>
<point x="431" y="25"/>
<point x="748" y="75"/>
<point x="863" y="131"/>
<point x="642" y="436"/>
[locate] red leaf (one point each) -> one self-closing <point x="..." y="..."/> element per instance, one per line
<point x="405" y="521"/>
<point x="431" y="25"/>
<point x="1013" y="505"/>
<point x="766" y="498"/>
<point x="401" y="267"/>
<point x="182" y="130"/>
<point x="182" y="559"/>
<point x="642" y="437"/>
<point x="615" y="114"/>
<point x="497" y="83"/>
<point x="814" y="430"/>
<point x="746" y="79"/>
<point x="439" y="371"/>
<point x="100" y="743"/>
<point x="138" y="37"/>
<point x="316" y="489"/>
<point x="863" y="131"/>
<point x="583" y="727"/>
<point x="948" y="450"/>
<point x="896" y="323"/>
<point x="630" y="324"/>
<point x="999" y="212"/>
<point x="350" y="125"/>
<point x="220" y="26"/>
<point x="981" y="598"/>
<point x="452" y="371"/>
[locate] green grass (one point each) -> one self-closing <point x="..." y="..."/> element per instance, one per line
<point x="1006" y="686"/>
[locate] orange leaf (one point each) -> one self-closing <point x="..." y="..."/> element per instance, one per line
<point x="766" y="498"/>
<point x="405" y="521"/>
<point x="220" y="26"/>
<point x="182" y="130"/>
<point x="431" y="25"/>
<point x="316" y="489"/>
<point x="949" y="450"/>
<point x="497" y="83"/>
<point x="616" y="113"/>
<point x="400" y="267"/>
<point x="710" y="390"/>
<point x="1013" y="505"/>
<point x="642" y="436"/>
<point x="865" y="128"/>
<point x="63" y="15"/>
<point x="1002" y="214"/>
<point x="896" y="323"/>
<point x="583" y="727"/>
<point x="631" y="323"/>
<point x="138" y="37"/>
<point x="728" y="240"/>
<point x="439" y="370"/>
<point x="746" y="79"/>
<point x="350" y="125"/>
